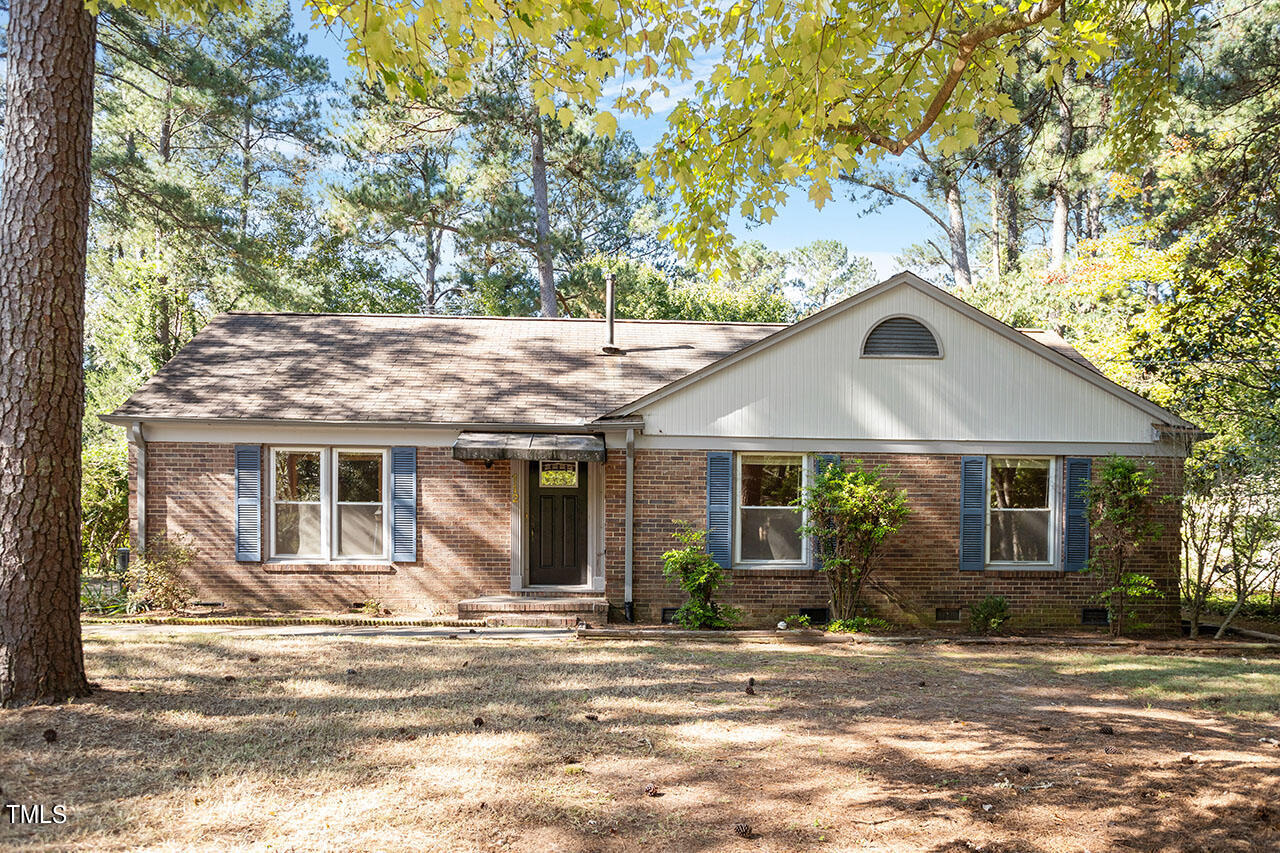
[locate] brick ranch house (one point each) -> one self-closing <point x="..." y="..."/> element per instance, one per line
<point x="522" y="470"/>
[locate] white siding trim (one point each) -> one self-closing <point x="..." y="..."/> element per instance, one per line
<point x="519" y="479"/>
<point x="971" y="448"/>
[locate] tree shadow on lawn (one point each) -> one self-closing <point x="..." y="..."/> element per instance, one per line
<point x="1000" y="750"/>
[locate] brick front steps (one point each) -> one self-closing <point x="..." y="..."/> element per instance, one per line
<point x="528" y="611"/>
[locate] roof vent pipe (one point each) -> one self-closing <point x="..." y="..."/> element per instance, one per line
<point x="609" y="348"/>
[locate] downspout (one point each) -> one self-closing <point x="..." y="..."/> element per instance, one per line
<point x="140" y="458"/>
<point x="628" y="605"/>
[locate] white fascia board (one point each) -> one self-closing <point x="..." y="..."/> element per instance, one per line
<point x="353" y="434"/>
<point x="1167" y="448"/>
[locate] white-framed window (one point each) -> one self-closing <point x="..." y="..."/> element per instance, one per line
<point x="767" y="517"/>
<point x="1021" y="510"/>
<point x="329" y="504"/>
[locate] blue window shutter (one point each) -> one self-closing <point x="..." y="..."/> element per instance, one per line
<point x="248" y="475"/>
<point x="1075" y="534"/>
<point x="973" y="513"/>
<point x="404" y="504"/>
<point x="720" y="507"/>
<point x="820" y="464"/>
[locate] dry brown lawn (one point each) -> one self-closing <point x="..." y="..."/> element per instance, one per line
<point x="270" y="743"/>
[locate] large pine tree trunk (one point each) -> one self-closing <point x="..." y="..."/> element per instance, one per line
<point x="1061" y="197"/>
<point x="958" y="236"/>
<point x="542" y="215"/>
<point x="44" y="211"/>
<point x="995" y="232"/>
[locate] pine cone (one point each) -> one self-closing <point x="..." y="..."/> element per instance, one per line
<point x="742" y="830"/>
<point x="751" y="691"/>
<point x="651" y="790"/>
<point x="478" y="722"/>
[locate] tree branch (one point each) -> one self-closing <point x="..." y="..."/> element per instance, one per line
<point x="966" y="47"/>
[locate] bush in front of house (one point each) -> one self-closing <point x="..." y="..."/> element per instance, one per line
<point x="1121" y="512"/>
<point x="852" y="511"/>
<point x="699" y="576"/>
<point x="989" y="615"/>
<point x="858" y="625"/>
<point x="796" y="622"/>
<point x="155" y="579"/>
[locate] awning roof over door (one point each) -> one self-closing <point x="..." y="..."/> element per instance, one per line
<point x="523" y="445"/>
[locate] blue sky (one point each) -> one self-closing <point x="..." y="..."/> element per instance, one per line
<point x="878" y="236"/>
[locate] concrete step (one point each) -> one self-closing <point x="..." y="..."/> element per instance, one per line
<point x="533" y="611"/>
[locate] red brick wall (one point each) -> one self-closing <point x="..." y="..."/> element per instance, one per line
<point x="919" y="572"/>
<point x="464" y="536"/>
<point x="464" y="543"/>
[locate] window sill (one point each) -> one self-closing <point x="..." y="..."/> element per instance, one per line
<point x="780" y="570"/>
<point x="1022" y="568"/>
<point x="326" y="567"/>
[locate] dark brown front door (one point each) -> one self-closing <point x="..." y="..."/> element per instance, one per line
<point x="557" y="525"/>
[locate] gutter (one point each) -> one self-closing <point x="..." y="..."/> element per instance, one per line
<point x="582" y="428"/>
<point x="628" y="605"/>
<point x="140" y="456"/>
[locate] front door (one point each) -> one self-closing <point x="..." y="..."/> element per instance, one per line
<point x="557" y="523"/>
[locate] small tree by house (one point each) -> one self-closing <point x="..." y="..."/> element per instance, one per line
<point x="851" y="512"/>
<point x="1251" y="530"/>
<point x="700" y="576"/>
<point x="1204" y="547"/>
<point x="1122" y="514"/>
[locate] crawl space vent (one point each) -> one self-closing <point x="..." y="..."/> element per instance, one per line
<point x="946" y="614"/>
<point x="817" y="615"/>
<point x="1094" y="616"/>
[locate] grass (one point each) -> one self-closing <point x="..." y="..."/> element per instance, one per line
<point x="842" y="748"/>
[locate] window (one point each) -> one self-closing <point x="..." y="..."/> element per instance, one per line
<point x="298" y="527"/>
<point x="768" y="518"/>
<point x="901" y="337"/>
<point x="359" y="513"/>
<point x="328" y="504"/>
<point x="1020" y="510"/>
<point x="558" y="475"/>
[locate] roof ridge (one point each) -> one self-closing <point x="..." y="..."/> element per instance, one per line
<point x="494" y="317"/>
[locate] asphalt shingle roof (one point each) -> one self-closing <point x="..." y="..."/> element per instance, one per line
<point x="378" y="368"/>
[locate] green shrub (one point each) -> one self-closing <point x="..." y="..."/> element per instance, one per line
<point x="154" y="580"/>
<point x="797" y="621"/>
<point x="103" y="600"/>
<point x="989" y="615"/>
<point x="1122" y="514"/>
<point x="104" y="506"/>
<point x="699" y="576"/>
<point x="858" y="625"/>
<point x="851" y="513"/>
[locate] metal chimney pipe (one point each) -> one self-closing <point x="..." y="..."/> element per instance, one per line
<point x="610" y="348"/>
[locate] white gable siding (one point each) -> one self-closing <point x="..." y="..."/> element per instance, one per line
<point x="985" y="388"/>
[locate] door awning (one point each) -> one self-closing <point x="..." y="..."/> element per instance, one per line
<point x="523" y="445"/>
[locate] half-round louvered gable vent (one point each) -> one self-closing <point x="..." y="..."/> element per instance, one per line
<point x="901" y="336"/>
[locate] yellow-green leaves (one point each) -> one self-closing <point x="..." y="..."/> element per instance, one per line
<point x="786" y="94"/>
<point x="606" y="124"/>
